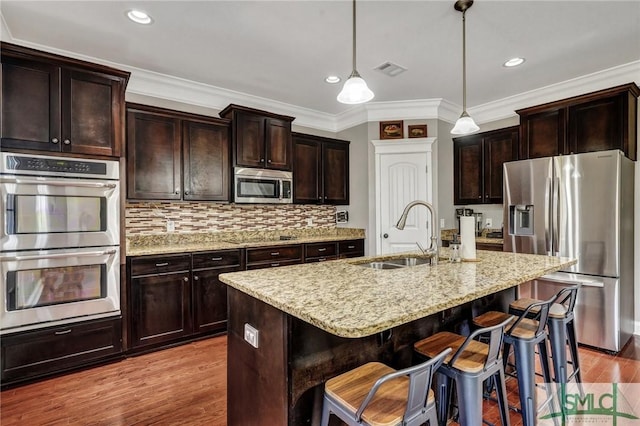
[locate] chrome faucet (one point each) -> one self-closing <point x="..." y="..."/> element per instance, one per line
<point x="433" y="249"/>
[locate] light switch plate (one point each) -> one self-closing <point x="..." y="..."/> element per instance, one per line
<point x="251" y="335"/>
<point x="442" y="225"/>
<point x="171" y="226"/>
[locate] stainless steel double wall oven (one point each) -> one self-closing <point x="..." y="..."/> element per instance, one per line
<point x="59" y="240"/>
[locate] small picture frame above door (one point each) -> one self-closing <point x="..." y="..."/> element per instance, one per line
<point x="417" y="131"/>
<point x="392" y="129"/>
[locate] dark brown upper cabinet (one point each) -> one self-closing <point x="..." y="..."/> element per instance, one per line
<point x="259" y="138"/>
<point x="320" y="170"/>
<point x="597" y="121"/>
<point x="53" y="103"/>
<point x="176" y="156"/>
<point x="477" y="165"/>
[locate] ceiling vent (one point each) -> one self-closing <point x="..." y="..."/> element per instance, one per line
<point x="390" y="69"/>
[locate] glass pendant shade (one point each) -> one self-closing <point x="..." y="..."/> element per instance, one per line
<point x="464" y="125"/>
<point x="355" y="90"/>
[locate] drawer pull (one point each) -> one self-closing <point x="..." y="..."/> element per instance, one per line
<point x="162" y="264"/>
<point x="216" y="258"/>
<point x="275" y="264"/>
<point x="322" y="249"/>
<point x="322" y="259"/>
<point x="351" y="247"/>
<point x="60" y="333"/>
<point x="275" y="253"/>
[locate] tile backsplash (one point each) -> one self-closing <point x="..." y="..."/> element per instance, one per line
<point x="151" y="218"/>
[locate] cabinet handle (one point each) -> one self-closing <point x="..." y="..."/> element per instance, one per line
<point x="60" y="333"/>
<point x="269" y="161"/>
<point x="67" y="142"/>
<point x="275" y="253"/>
<point x="322" y="259"/>
<point x="262" y="160"/>
<point x="162" y="264"/>
<point x="196" y="278"/>
<point x="320" y="198"/>
<point x="216" y="258"/>
<point x="351" y="247"/>
<point x="177" y="191"/>
<point x="186" y="192"/>
<point x="479" y="197"/>
<point x="185" y="279"/>
<point x="322" y="249"/>
<point x="54" y="140"/>
<point x="275" y="264"/>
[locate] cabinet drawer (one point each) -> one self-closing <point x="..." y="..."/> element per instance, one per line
<point x="320" y="259"/>
<point x="273" y="264"/>
<point x="216" y="259"/>
<point x="146" y="265"/>
<point x="275" y="254"/>
<point x="36" y="353"/>
<point x="320" y="250"/>
<point x="351" y="248"/>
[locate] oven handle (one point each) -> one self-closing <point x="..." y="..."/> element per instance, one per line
<point x="23" y="181"/>
<point x="58" y="255"/>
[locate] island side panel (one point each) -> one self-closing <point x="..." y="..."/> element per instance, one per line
<point x="257" y="389"/>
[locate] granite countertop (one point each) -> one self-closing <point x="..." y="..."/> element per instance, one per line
<point x="167" y="243"/>
<point x="352" y="301"/>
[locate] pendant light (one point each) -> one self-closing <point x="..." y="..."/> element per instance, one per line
<point x="355" y="90"/>
<point x="465" y="123"/>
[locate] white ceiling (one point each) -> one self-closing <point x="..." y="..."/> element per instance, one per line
<point x="282" y="50"/>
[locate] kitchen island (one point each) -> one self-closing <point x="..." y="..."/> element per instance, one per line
<point x="315" y="321"/>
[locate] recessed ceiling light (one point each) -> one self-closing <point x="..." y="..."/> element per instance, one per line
<point x="332" y="79"/>
<point x="513" y="62"/>
<point x="139" y="17"/>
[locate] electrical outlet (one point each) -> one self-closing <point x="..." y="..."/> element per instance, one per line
<point x="309" y="222"/>
<point x="441" y="223"/>
<point x="171" y="226"/>
<point x="488" y="223"/>
<point x="251" y="335"/>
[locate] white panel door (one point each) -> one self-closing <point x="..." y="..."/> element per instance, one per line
<point x="403" y="175"/>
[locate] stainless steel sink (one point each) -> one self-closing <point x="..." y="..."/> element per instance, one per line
<point x="380" y="265"/>
<point x="401" y="262"/>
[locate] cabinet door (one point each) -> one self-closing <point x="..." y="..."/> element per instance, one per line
<point x="205" y="150"/>
<point x="335" y="170"/>
<point x="161" y="308"/>
<point x="92" y="111"/>
<point x="249" y="140"/>
<point x="30" y="105"/>
<point x="307" y="170"/>
<point x="499" y="148"/>
<point x="597" y="125"/>
<point x="468" y="173"/>
<point x="153" y="156"/>
<point x="543" y="134"/>
<point x="278" y="144"/>
<point x="210" y="300"/>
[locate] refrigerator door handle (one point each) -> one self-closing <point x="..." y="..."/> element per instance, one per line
<point x="556" y="218"/>
<point x="548" y="243"/>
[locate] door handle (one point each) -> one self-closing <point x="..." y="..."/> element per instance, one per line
<point x="58" y="255"/>
<point x="385" y="235"/>
<point x="26" y="181"/>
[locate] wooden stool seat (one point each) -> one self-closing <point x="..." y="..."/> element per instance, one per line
<point x="556" y="310"/>
<point x="472" y="359"/>
<point x="526" y="329"/>
<point x="387" y="406"/>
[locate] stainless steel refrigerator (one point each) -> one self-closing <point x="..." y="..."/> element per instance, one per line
<point x="578" y="206"/>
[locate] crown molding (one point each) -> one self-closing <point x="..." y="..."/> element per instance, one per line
<point x="163" y="86"/>
<point x="506" y="107"/>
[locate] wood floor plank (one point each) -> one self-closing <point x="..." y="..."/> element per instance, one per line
<point x="187" y="385"/>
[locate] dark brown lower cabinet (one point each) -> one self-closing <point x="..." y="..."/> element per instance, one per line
<point x="177" y="297"/>
<point x="34" y="354"/>
<point x="350" y="248"/>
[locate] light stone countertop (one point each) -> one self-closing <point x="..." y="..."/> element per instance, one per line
<point x="352" y="301"/>
<point x="141" y="245"/>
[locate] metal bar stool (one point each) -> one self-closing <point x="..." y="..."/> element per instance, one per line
<point x="375" y="394"/>
<point x="471" y="363"/>
<point x="523" y="334"/>
<point x="562" y="332"/>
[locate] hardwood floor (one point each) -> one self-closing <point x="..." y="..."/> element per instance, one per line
<point x="187" y="385"/>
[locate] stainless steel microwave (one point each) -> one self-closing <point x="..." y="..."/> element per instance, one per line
<point x="262" y="186"/>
